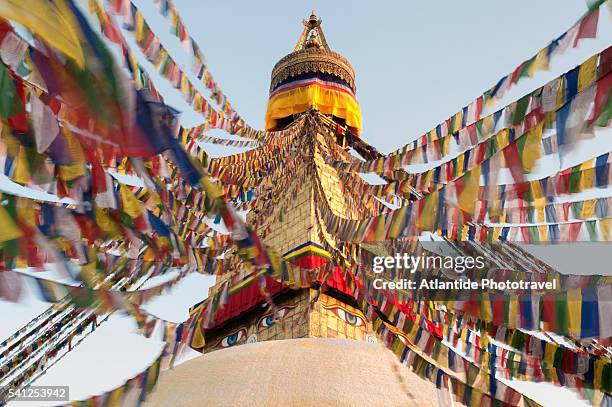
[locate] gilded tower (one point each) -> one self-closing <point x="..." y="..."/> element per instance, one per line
<point x="313" y="87"/>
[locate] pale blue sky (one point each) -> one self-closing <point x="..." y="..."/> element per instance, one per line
<point x="416" y="62"/>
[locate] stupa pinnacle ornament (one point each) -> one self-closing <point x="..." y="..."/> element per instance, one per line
<point x="313" y="77"/>
<point x="311" y="26"/>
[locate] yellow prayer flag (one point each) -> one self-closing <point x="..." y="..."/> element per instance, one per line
<point x="532" y="148"/>
<point x="163" y="54"/>
<point x="476" y="398"/>
<point x="379" y="232"/>
<point x="549" y="353"/>
<point x="574" y="305"/>
<point x="600" y="365"/>
<point x="543" y="233"/>
<point x="486" y="313"/>
<point x="197" y="102"/>
<point x="427" y="179"/>
<point x="26" y="212"/>
<point x="21" y="262"/>
<point x="540" y="63"/>
<point x="460" y="164"/>
<point x="463" y="237"/>
<point x="134" y="64"/>
<point x="587" y="73"/>
<point x="22" y="173"/>
<point x="397" y="222"/>
<point x="502" y="138"/>
<point x="105" y="222"/>
<point x="139" y="24"/>
<point x="53" y="21"/>
<point x="77" y="168"/>
<point x="8" y="228"/>
<point x="487" y="124"/>
<point x="89" y="274"/>
<point x="70" y="172"/>
<point x="444" y="143"/>
<point x="588" y="209"/>
<point x="605" y="225"/>
<point x="469" y="194"/>
<point x="587" y="177"/>
<point x="560" y="83"/>
<point x="513" y="311"/>
<point x="458" y="120"/>
<point x="12" y="144"/>
<point x="115" y="397"/>
<point x="540" y="212"/>
<point x="427" y="216"/>
<point x="212" y="190"/>
<point x="497" y="233"/>
<point x="130" y="204"/>
<point x="198" y="340"/>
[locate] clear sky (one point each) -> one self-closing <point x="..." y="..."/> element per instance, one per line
<point x="417" y="63"/>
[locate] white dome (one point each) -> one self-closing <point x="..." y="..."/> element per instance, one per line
<point x="297" y="372"/>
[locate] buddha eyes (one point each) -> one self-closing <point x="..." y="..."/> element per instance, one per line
<point x="234" y="338"/>
<point x="268" y="320"/>
<point x="402" y="336"/>
<point x="239" y="336"/>
<point x="347" y="316"/>
<point x="404" y="340"/>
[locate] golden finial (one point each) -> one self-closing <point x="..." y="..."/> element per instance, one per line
<point x="307" y="39"/>
<point x="312" y="54"/>
<point x="313" y="22"/>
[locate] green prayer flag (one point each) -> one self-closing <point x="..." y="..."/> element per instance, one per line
<point x="526" y="67"/>
<point x="574" y="178"/>
<point x="8" y="95"/>
<point x="520" y="110"/>
<point x="592" y="229"/>
<point x="561" y="311"/>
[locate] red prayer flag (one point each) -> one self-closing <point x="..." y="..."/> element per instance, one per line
<point x="478" y="107"/>
<point x="602" y="94"/>
<point x="588" y="27"/>
<point x="515" y="75"/>
<point x="574" y="231"/>
<point x="605" y="62"/>
<point x="548" y="312"/>
<point x="516" y="168"/>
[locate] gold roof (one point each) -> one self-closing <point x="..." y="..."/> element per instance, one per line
<point x="312" y="54"/>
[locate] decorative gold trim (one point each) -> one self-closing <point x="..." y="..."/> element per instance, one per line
<point x="313" y="60"/>
<point x="312" y="54"/>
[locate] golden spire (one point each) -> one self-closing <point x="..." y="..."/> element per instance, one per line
<point x="312" y="29"/>
<point x="312" y="54"/>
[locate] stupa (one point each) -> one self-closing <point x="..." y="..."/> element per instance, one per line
<point x="310" y="356"/>
<point x="316" y="84"/>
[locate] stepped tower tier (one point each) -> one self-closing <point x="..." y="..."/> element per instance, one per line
<point x="316" y="87"/>
<point x="313" y="77"/>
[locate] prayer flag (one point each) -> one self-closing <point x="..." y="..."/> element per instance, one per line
<point x="53" y="21"/>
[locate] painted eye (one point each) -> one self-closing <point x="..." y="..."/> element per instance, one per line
<point x="402" y="337"/>
<point x="234" y="338"/>
<point x="404" y="340"/>
<point x="268" y="320"/>
<point x="348" y="317"/>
